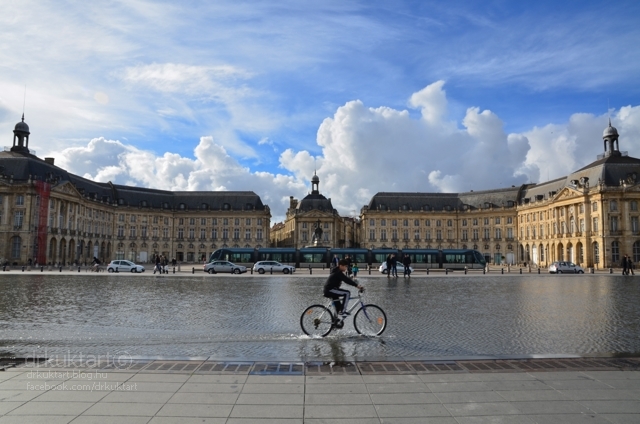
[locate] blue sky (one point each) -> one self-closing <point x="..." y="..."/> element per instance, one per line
<point x="377" y="96"/>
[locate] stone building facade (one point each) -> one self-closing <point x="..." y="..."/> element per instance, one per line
<point x="304" y="217"/>
<point x="485" y="221"/>
<point x="48" y="215"/>
<point x="589" y="217"/>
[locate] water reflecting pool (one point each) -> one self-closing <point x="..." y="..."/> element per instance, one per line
<point x="257" y="318"/>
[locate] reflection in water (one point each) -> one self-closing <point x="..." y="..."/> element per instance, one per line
<point x="257" y="318"/>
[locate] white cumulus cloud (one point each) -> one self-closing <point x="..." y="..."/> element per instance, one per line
<point x="365" y="150"/>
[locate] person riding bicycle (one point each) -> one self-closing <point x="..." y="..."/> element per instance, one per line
<point x="332" y="288"/>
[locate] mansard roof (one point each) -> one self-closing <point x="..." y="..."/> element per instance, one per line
<point x="485" y="199"/>
<point x="610" y="170"/>
<point x="23" y="167"/>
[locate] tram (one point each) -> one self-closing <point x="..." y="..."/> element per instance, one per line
<point x="316" y="257"/>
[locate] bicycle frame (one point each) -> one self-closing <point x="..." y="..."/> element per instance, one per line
<point x="354" y="305"/>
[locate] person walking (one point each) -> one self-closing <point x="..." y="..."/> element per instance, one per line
<point x="624" y="265"/>
<point x="394" y="265"/>
<point x="355" y="270"/>
<point x="388" y="265"/>
<point x="406" y="262"/>
<point x="334" y="261"/>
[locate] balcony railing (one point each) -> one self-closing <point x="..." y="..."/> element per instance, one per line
<point x="615" y="233"/>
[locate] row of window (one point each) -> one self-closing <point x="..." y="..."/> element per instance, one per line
<point x="614" y="225"/>
<point x="613" y="207"/>
<point x="192" y="221"/>
<point x="133" y="232"/>
<point x="475" y="234"/>
<point x="439" y="223"/>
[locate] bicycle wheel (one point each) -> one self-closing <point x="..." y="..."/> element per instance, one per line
<point x="316" y="321"/>
<point x="370" y="320"/>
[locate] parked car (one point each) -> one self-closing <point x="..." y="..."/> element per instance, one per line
<point x="266" y="266"/>
<point x="224" y="266"/>
<point x="124" y="266"/>
<point x="399" y="268"/>
<point x="560" y="267"/>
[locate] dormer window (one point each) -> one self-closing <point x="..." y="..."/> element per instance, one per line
<point x="165" y="205"/>
<point x="143" y="203"/>
<point x="204" y="206"/>
<point x="182" y="206"/>
<point x="226" y="207"/>
<point x="121" y="201"/>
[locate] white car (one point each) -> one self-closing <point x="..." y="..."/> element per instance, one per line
<point x="565" y="267"/>
<point x="266" y="266"/>
<point x="124" y="266"/>
<point x="224" y="266"/>
<point x="399" y="268"/>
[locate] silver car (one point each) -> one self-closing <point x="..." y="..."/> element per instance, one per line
<point x="565" y="267"/>
<point x="399" y="268"/>
<point x="124" y="266"/>
<point x="266" y="266"/>
<point x="224" y="266"/>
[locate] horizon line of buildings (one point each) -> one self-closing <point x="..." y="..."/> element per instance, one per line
<point x="48" y="215"/>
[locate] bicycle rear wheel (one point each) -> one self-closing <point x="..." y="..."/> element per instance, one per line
<point x="316" y="321"/>
<point x="370" y="320"/>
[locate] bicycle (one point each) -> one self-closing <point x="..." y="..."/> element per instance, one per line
<point x="369" y="320"/>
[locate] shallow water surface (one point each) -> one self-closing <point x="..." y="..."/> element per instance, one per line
<point x="257" y="318"/>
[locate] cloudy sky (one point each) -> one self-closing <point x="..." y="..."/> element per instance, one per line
<point x="376" y="96"/>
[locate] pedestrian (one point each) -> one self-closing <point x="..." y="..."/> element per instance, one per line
<point x="406" y="262"/>
<point x="624" y="265"/>
<point x="334" y="261"/>
<point x="349" y="265"/>
<point x="354" y="269"/>
<point x="388" y="261"/>
<point x="394" y="265"/>
<point x="157" y="264"/>
<point x="164" y="262"/>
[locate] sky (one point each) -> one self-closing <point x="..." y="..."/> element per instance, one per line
<point x="373" y="96"/>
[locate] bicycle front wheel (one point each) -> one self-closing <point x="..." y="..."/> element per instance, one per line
<point x="370" y="320"/>
<point x="316" y="321"/>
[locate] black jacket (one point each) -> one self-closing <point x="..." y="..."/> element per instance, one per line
<point x="406" y="261"/>
<point x="336" y="278"/>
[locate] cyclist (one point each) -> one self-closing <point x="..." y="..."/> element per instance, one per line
<point x="332" y="287"/>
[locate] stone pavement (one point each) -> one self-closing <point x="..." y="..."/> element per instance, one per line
<point x="139" y="395"/>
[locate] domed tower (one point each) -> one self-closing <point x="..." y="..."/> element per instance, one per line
<point x="610" y="137"/>
<point x="315" y="184"/>
<point x="21" y="137"/>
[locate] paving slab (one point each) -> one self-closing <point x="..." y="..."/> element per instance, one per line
<point x="456" y="397"/>
<point x="339" y="411"/>
<point x="194" y="410"/>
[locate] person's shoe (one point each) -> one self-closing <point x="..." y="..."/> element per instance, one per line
<point x="345" y="313"/>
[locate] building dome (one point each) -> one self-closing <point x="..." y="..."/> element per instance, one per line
<point x="315" y="179"/>
<point x="610" y="131"/>
<point x="22" y="126"/>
